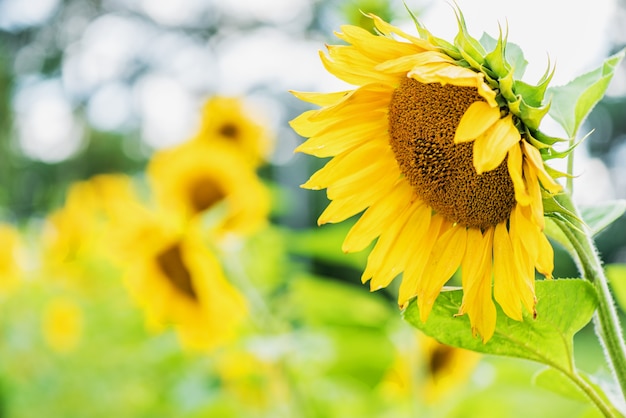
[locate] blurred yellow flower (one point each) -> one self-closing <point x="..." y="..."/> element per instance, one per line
<point x="80" y="230"/>
<point x="178" y="281"/>
<point x="445" y="169"/>
<point x="62" y="324"/>
<point x="211" y="181"/>
<point x="10" y="268"/>
<point x="227" y="121"/>
<point x="428" y="370"/>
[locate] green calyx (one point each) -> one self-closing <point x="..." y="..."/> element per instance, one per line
<point x="503" y="65"/>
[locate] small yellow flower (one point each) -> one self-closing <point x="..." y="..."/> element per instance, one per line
<point x="439" y="147"/>
<point x="227" y="121"/>
<point x="10" y="268"/>
<point x="62" y="324"/>
<point x="197" y="178"/>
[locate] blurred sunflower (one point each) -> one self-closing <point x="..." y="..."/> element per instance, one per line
<point x="178" y="281"/>
<point x="227" y="121"/>
<point x="10" y="268"/>
<point x="199" y="179"/>
<point x="443" y="368"/>
<point x="79" y="232"/>
<point x="440" y="146"/>
<point x="429" y="370"/>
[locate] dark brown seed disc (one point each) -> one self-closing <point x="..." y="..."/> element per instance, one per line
<point x="422" y="121"/>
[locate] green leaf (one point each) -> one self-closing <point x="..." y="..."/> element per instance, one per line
<point x="572" y="102"/>
<point x="599" y="217"/>
<point x="555" y="381"/>
<point x="563" y="308"/>
<point x="617" y="278"/>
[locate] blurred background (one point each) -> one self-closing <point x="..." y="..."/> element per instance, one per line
<point x="98" y="87"/>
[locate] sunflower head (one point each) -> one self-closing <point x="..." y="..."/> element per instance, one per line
<point x="228" y="121"/>
<point x="439" y="146"/>
<point x="178" y="281"/>
<point x="212" y="182"/>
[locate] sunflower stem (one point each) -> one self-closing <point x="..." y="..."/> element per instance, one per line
<point x="606" y="320"/>
<point x="569" y="182"/>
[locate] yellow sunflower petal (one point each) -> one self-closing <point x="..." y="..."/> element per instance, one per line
<point x="348" y="163"/>
<point x="534" y="191"/>
<point x="479" y="117"/>
<point x="524" y="265"/>
<point x="545" y="261"/>
<point x="389" y="256"/>
<point x="420" y="252"/>
<point x="445" y="73"/>
<point x="491" y="147"/>
<point x="320" y="99"/>
<point x="343" y="207"/>
<point x="514" y="164"/>
<point x="477" y="299"/>
<point x="505" y="279"/>
<point x="445" y="259"/>
<point x="369" y="225"/>
<point x="534" y="156"/>
<point x="379" y="48"/>
<point x="335" y="141"/>
<point x="349" y="65"/>
<point x="408" y="62"/>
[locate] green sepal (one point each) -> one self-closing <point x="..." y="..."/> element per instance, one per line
<point x="532" y="116"/>
<point x="552" y="153"/>
<point x="552" y="208"/>
<point x="445" y="46"/>
<point x="555" y="174"/>
<point x="546" y="139"/>
<point x="470" y="48"/>
<point x="496" y="59"/>
<point x="513" y="54"/>
<point x="530" y="137"/>
<point x="533" y="95"/>
<point x="506" y="88"/>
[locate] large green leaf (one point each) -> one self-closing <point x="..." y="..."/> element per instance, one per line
<point x="572" y="102"/>
<point x="563" y="308"/>
<point x="600" y="216"/>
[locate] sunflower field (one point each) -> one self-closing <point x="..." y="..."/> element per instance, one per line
<point x="310" y="208"/>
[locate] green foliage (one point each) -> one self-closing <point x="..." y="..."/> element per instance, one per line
<point x="600" y="216"/>
<point x="563" y="308"/>
<point x="572" y="102"/>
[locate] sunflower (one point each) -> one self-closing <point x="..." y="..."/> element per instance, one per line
<point x="78" y="232"/>
<point x="178" y="281"/>
<point x="199" y="179"/>
<point x="227" y="121"/>
<point x="439" y="145"/>
<point x="429" y="370"/>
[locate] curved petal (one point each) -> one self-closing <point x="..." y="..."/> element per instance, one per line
<point x="491" y="147"/>
<point x="479" y="117"/>
<point x="476" y="268"/>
